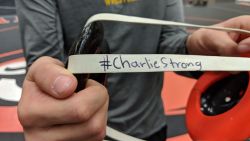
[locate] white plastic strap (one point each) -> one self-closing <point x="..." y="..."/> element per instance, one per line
<point x="124" y="63"/>
<point x="140" y="20"/>
<point x="119" y="136"/>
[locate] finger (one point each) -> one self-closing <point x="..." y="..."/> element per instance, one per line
<point x="226" y="46"/>
<point x="242" y="39"/>
<point x="240" y="23"/>
<point x="221" y="43"/>
<point x="211" y="42"/>
<point x="244" y="46"/>
<point x="92" y="130"/>
<point x="51" y="77"/>
<point x="38" y="109"/>
<point x="237" y="22"/>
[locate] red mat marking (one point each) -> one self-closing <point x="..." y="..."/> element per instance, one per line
<point x="8" y="119"/>
<point x="9" y="28"/>
<point x="19" y="51"/>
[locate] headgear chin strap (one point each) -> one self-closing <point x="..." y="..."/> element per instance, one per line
<point x="218" y="107"/>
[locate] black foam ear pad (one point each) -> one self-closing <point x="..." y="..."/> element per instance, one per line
<point x="224" y="94"/>
<point x="90" y="41"/>
<point x="218" y="107"/>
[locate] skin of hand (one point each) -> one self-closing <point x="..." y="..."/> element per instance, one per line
<point x="49" y="110"/>
<point x="213" y="42"/>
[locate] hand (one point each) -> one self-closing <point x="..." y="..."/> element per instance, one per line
<point x="49" y="110"/>
<point x="212" y="42"/>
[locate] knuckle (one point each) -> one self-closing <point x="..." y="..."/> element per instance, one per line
<point x="227" y="51"/>
<point x="36" y="67"/>
<point x="41" y="60"/>
<point x="26" y="114"/>
<point x="24" y="117"/>
<point x="98" y="128"/>
<point x="81" y="114"/>
<point x="100" y="136"/>
<point x="98" y="131"/>
<point x="104" y="91"/>
<point x="20" y="114"/>
<point x="45" y="61"/>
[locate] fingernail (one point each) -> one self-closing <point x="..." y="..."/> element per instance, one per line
<point x="242" y="48"/>
<point x="61" y="84"/>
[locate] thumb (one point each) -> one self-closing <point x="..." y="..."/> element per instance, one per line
<point x="51" y="77"/>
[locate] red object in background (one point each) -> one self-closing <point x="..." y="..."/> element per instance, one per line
<point x="232" y="125"/>
<point x="8" y="119"/>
